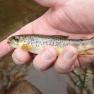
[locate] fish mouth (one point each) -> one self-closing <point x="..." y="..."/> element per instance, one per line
<point x="13" y="38"/>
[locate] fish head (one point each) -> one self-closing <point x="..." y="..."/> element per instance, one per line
<point x="14" y="41"/>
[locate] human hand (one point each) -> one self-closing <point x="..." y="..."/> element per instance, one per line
<point x="73" y="18"/>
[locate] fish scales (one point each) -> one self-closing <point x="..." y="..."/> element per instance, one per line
<point x="54" y="41"/>
<point x="38" y="42"/>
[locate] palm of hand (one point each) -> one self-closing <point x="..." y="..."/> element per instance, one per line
<point x="69" y="18"/>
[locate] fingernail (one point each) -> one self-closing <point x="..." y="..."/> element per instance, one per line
<point x="48" y="55"/>
<point x="68" y="55"/>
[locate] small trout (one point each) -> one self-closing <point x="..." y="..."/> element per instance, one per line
<point x="36" y="43"/>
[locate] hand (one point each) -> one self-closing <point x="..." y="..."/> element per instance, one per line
<point x="73" y="18"/>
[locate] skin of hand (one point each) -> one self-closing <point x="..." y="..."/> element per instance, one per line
<point x="72" y="18"/>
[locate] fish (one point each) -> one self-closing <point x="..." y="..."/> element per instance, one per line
<point x="35" y="43"/>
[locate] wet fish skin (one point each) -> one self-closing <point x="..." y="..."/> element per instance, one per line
<point x="35" y="43"/>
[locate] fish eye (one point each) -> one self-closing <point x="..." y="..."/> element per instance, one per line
<point x="16" y="38"/>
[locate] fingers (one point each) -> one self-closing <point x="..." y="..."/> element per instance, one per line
<point x="45" y="59"/>
<point x="62" y="64"/>
<point x="21" y="57"/>
<point x="66" y="60"/>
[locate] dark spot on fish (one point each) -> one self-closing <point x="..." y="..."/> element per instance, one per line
<point x="16" y="38"/>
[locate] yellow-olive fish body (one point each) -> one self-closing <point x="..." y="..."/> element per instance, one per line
<point x="35" y="43"/>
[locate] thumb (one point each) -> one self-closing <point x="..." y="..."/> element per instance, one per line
<point x="47" y="3"/>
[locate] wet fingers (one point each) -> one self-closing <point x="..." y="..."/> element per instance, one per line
<point x="21" y="57"/>
<point x="66" y="60"/>
<point x="45" y="59"/>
